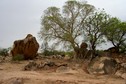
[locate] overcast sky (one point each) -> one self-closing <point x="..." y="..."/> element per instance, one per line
<point x="21" y="17"/>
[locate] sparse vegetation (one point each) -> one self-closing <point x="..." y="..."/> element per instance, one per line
<point x="53" y="52"/>
<point x="18" y="57"/>
<point x="70" y="53"/>
<point x="4" y="52"/>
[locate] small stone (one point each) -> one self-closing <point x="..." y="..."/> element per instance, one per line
<point x="62" y="69"/>
<point x="118" y="73"/>
<point x="31" y="66"/>
<point x="123" y="65"/>
<point x="124" y="75"/>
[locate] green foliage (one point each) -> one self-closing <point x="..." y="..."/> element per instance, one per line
<point x="53" y="52"/>
<point x="116" y="32"/>
<point x="47" y="53"/>
<point x="18" y="57"/>
<point x="70" y="53"/>
<point x="123" y="48"/>
<point x="93" y="27"/>
<point x="99" y="52"/>
<point x="4" y="52"/>
<point x="66" y="27"/>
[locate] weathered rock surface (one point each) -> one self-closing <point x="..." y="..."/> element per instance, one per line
<point x="83" y="45"/>
<point x="102" y="65"/>
<point x="122" y="71"/>
<point x="31" y="66"/>
<point x="124" y="76"/>
<point x="27" y="47"/>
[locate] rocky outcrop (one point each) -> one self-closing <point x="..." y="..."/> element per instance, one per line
<point x="27" y="47"/>
<point x="83" y="50"/>
<point x="102" y="65"/>
<point x="47" y="65"/>
<point x="83" y="45"/>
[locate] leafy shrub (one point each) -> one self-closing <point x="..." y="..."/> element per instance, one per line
<point x="47" y="53"/>
<point x="99" y="51"/>
<point x="18" y="57"/>
<point x="4" y="52"/>
<point x="54" y="52"/>
<point x="71" y="53"/>
<point x="123" y="48"/>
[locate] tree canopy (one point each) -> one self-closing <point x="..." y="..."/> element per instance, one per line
<point x="94" y="26"/>
<point x="78" y="21"/>
<point x="65" y="27"/>
<point x="115" y="32"/>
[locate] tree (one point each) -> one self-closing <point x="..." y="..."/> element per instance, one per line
<point x="116" y="33"/>
<point x="93" y="29"/>
<point x="65" y="27"/>
<point x="45" y="48"/>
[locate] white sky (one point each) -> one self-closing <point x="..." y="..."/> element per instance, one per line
<point x="21" y="17"/>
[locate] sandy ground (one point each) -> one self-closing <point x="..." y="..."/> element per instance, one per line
<point x="10" y="71"/>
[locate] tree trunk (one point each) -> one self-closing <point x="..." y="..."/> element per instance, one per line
<point x="93" y="51"/>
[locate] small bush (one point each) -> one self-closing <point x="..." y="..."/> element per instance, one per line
<point x="70" y="54"/>
<point x="18" y="57"/>
<point x="47" y="53"/>
<point x="4" y="52"/>
<point x="123" y="49"/>
<point x="99" y="52"/>
<point x="54" y="52"/>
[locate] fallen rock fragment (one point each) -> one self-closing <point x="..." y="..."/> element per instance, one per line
<point x="102" y="65"/>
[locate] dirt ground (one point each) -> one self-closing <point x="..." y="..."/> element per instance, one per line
<point x="11" y="71"/>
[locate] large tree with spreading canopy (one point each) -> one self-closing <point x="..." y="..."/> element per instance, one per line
<point x="65" y="27"/>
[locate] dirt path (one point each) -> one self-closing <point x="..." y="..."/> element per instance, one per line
<point x="9" y="71"/>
